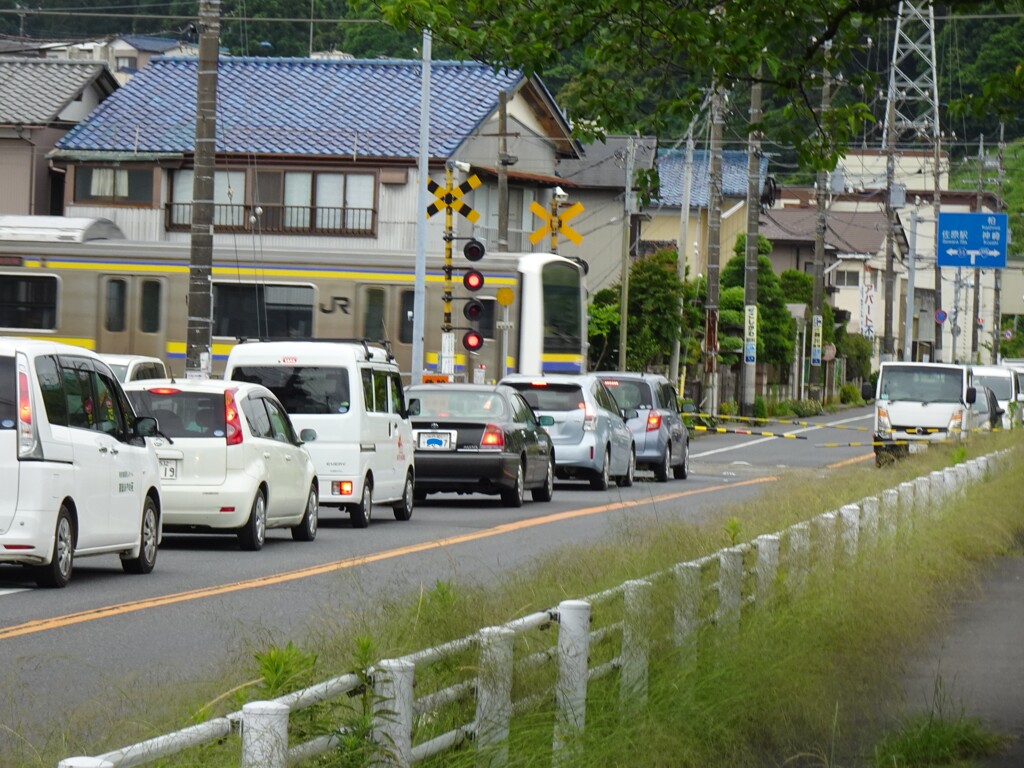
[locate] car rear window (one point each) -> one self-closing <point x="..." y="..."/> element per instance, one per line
<point x="182" y="414"/>
<point x="550" y="397"/>
<point x="629" y="393"/>
<point x="302" y="389"/>
<point x="8" y="393"/>
<point x="459" y="404"/>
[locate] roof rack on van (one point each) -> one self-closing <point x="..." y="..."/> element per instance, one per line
<point x="383" y="344"/>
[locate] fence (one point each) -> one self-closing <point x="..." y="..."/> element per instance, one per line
<point x="730" y="579"/>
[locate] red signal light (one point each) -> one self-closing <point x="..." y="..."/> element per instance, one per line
<point x="472" y="341"/>
<point x="473" y="310"/>
<point x="473" y="280"/>
<point x="474" y="250"/>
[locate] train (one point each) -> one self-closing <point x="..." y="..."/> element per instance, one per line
<point x="117" y="296"/>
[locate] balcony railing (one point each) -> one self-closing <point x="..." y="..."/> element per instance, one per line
<point x="280" y="219"/>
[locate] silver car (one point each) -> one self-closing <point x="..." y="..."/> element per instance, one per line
<point x="592" y="441"/>
<point x="662" y="440"/>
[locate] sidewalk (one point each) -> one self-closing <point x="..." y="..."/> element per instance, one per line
<point x="979" y="661"/>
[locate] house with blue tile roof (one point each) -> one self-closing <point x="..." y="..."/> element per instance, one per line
<point x="313" y="153"/>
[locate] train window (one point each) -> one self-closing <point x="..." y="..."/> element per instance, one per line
<point x="149" y="306"/>
<point x="28" y="302"/>
<point x="115" y="301"/>
<point x="255" y="310"/>
<point x="405" y="321"/>
<point x="562" y="308"/>
<point x="114" y="185"/>
<point x="374" y="326"/>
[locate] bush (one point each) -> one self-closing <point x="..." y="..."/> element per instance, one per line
<point x="728" y="408"/>
<point x="849" y="394"/>
<point x="760" y="408"/>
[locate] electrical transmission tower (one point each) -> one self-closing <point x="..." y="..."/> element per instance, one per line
<point x="912" y="109"/>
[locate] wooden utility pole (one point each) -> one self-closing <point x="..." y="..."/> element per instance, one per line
<point x="818" y="292"/>
<point x="200" y="299"/>
<point x="749" y="369"/>
<point x="627" y="242"/>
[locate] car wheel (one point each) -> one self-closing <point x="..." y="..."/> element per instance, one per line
<point x="58" y="573"/>
<point x="307" y="527"/>
<point x="513" y="497"/>
<point x="546" y="491"/>
<point x="403" y="509"/>
<point x="363" y="511"/>
<point x="663" y="467"/>
<point x="252" y="535"/>
<point x="602" y="481"/>
<point x="683" y="470"/>
<point x="627" y="479"/>
<point x="149" y="536"/>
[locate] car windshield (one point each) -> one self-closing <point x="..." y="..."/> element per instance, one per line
<point x="630" y="394"/>
<point x="544" y="396"/>
<point x="926" y="385"/>
<point x="1000" y="385"/>
<point x="302" y="389"/>
<point x="121" y="371"/>
<point x="182" y="414"/>
<point x="459" y="404"/>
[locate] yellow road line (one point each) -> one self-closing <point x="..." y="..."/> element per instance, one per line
<point x="58" y="622"/>
<point x="853" y="460"/>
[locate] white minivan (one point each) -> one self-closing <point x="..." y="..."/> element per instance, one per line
<point x="77" y="475"/>
<point x="350" y="393"/>
<point x="1003" y="382"/>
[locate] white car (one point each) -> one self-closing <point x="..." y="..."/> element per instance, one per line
<point x="230" y="460"/>
<point x="76" y="475"/>
<point x="135" y="367"/>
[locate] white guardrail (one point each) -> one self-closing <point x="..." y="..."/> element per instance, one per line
<point x="745" y="573"/>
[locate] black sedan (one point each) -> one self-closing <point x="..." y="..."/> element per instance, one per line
<point x="477" y="438"/>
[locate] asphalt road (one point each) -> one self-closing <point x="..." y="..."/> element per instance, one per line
<point x="69" y="654"/>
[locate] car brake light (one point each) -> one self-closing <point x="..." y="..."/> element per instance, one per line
<point x="589" y="417"/>
<point x="653" y="421"/>
<point x="28" y="446"/>
<point x="24" y="402"/>
<point x="234" y="423"/>
<point x="163" y="391"/>
<point x="493" y="437"/>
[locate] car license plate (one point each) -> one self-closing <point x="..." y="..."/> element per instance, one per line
<point x="435" y="441"/>
<point x="168" y="469"/>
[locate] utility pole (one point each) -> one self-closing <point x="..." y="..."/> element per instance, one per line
<point x="908" y="319"/>
<point x="683" y="249"/>
<point x="627" y="236"/>
<point x="976" y="299"/>
<point x="749" y="369"/>
<point x="997" y="322"/>
<point x="821" y="227"/>
<point x="890" y="232"/>
<point x="714" y="255"/>
<point x="502" y="171"/>
<point x="419" y="294"/>
<point x="200" y="301"/>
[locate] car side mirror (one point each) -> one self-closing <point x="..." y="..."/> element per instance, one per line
<point x="867" y="392"/>
<point x="146" y="426"/>
<point x="972" y="395"/>
<point x="546" y="421"/>
<point x="414" y="407"/>
<point x="307" y="435"/>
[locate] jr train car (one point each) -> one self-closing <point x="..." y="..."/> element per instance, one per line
<point x="125" y="297"/>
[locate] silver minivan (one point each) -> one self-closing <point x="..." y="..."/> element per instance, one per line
<point x="592" y="441"/>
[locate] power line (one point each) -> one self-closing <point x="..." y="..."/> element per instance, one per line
<point x="171" y="17"/>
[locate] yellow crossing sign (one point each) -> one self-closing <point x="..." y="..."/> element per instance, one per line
<point x="555" y="224"/>
<point x="451" y="197"/>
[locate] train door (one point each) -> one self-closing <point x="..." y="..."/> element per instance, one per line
<point x="132" y="316"/>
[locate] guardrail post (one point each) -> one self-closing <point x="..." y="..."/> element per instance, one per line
<point x="687" y="602"/>
<point x="494" y="696"/>
<point x="951" y="482"/>
<point x="393" y="710"/>
<point x="849" y="527"/>
<point x="937" y="485"/>
<point x="84" y="762"/>
<point x="798" y="560"/>
<point x="869" y="522"/>
<point x="264" y="735"/>
<point x="913" y="494"/>
<point x="924" y="499"/>
<point x="636" y="621"/>
<point x="889" y="515"/>
<point x="766" y="569"/>
<point x="825" y="539"/>
<point x="977" y="472"/>
<point x="730" y="585"/>
<point x="984" y="465"/>
<point x="571" y="689"/>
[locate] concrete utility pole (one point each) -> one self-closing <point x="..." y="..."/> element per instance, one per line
<point x="997" y="323"/>
<point x="890" y="234"/>
<point x="908" y="318"/>
<point x="419" y="294"/>
<point x="627" y="225"/>
<point x="821" y="227"/>
<point x="682" y="248"/>
<point x="749" y="369"/>
<point x="714" y="255"/>
<point x="200" y="301"/>
<point x="976" y="298"/>
<point x="502" y="171"/>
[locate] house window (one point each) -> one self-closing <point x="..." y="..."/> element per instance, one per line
<point x="28" y="302"/>
<point x="256" y="310"/>
<point x="847" y="278"/>
<point x="126" y="62"/>
<point x="228" y="198"/>
<point x="113" y="185"/>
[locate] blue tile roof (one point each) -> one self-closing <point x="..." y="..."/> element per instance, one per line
<point x="151" y="43"/>
<point x="296" y="106"/>
<point x="734" y="175"/>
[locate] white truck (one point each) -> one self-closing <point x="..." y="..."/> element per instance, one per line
<point x="920" y="403"/>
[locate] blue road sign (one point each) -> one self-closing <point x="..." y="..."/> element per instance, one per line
<point x="972" y="240"/>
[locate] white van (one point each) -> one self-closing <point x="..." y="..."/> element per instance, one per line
<point x="135" y="367"/>
<point x="350" y="393"/>
<point x="1003" y="382"/>
<point x="77" y="475"/>
<point x="920" y="403"/>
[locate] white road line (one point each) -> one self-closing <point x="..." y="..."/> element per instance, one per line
<point x="5" y="592"/>
<point x="794" y="432"/>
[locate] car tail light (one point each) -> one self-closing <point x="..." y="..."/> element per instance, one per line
<point x="493" y="437"/>
<point x="163" y="391"/>
<point x="28" y="445"/>
<point x="589" y="417"/>
<point x="341" y="488"/>
<point x="653" y="421"/>
<point x="234" y="422"/>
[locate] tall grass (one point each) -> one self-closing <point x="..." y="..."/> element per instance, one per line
<point x="815" y="681"/>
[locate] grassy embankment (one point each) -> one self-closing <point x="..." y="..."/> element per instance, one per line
<point x="814" y="682"/>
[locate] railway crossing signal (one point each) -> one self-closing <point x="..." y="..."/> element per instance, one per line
<point x="449" y="198"/>
<point x="555" y="224"/>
